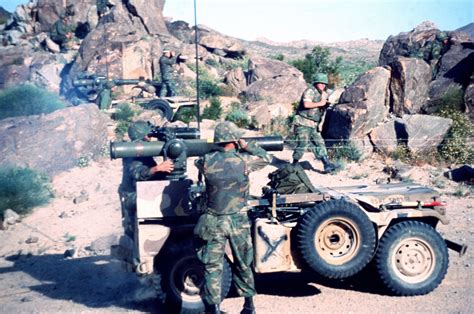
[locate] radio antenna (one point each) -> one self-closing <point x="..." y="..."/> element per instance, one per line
<point x="198" y="114"/>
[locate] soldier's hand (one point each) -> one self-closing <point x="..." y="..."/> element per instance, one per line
<point x="324" y="96"/>
<point x="165" y="166"/>
<point x="242" y="144"/>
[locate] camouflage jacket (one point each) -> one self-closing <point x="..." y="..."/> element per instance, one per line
<point x="166" y="67"/>
<point x="309" y="117"/>
<point x="227" y="177"/>
<point x="60" y="29"/>
<point x="137" y="169"/>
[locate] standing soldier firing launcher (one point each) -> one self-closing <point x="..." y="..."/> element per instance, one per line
<point x="226" y="173"/>
<point x="308" y="116"/>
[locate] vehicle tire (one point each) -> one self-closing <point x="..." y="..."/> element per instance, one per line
<point x="182" y="278"/>
<point x="162" y="107"/>
<point x="412" y="258"/>
<point x="336" y="239"/>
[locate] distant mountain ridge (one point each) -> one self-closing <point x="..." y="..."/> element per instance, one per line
<point x="468" y="29"/>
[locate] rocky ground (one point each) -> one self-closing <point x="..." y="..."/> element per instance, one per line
<point x="57" y="259"/>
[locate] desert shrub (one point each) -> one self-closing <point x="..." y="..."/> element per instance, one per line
<point x="319" y="60"/>
<point x="208" y="88"/>
<point x="124" y="112"/>
<point x="186" y="114"/>
<point x="280" y="126"/>
<point x="456" y="146"/>
<point x="27" y="99"/>
<point x="238" y="115"/>
<point x="212" y="63"/>
<point x="213" y="111"/>
<point x="351" y="70"/>
<point x="346" y="151"/>
<point x="22" y="189"/>
<point x="279" y="57"/>
<point x="121" y="129"/>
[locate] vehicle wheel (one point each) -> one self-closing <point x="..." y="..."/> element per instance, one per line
<point x="412" y="258"/>
<point x="162" y="107"/>
<point x="336" y="239"/>
<point x="183" y="278"/>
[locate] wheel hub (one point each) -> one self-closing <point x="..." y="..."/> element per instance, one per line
<point x="337" y="240"/>
<point x="414" y="260"/>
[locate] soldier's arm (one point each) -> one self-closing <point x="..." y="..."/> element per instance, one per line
<point x="253" y="150"/>
<point x="139" y="171"/>
<point x="170" y="61"/>
<point x="308" y="96"/>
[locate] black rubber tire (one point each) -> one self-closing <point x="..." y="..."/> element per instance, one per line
<point x="412" y="258"/>
<point x="183" y="277"/>
<point x="336" y="239"/>
<point x="161" y="106"/>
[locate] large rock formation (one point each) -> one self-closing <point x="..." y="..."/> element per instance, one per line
<point x="54" y="142"/>
<point x="409" y="85"/>
<point x="425" y="133"/>
<point x="362" y="106"/>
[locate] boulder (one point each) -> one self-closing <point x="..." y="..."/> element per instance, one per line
<point x="401" y="44"/>
<point x="409" y="85"/>
<point x="469" y="101"/>
<point x="456" y="67"/>
<point x="363" y="106"/>
<point x="282" y="89"/>
<point x="220" y="44"/>
<point x="386" y="136"/>
<point x="266" y="68"/>
<point x="261" y="111"/>
<point x="54" y="142"/>
<point x="182" y="31"/>
<point x="424" y="132"/>
<point x="150" y="13"/>
<point x="235" y="79"/>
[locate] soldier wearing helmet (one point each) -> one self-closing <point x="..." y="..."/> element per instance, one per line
<point x="308" y="117"/>
<point x="432" y="51"/>
<point x="226" y="173"/>
<point x="138" y="169"/>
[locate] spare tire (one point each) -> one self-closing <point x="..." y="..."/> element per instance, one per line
<point x="162" y="107"/>
<point x="336" y="239"/>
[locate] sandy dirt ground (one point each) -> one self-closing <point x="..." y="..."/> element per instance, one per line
<point x="83" y="220"/>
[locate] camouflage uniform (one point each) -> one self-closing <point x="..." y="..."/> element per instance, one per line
<point x="60" y="30"/>
<point x="227" y="187"/>
<point x="166" y="69"/>
<point x="432" y="51"/>
<point x="307" y="127"/>
<point x="134" y="170"/>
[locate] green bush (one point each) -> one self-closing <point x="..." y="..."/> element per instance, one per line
<point x="213" y="111"/>
<point x="27" y="99"/>
<point x="238" y="115"/>
<point x="456" y="146"/>
<point x="124" y="112"/>
<point x="186" y="114"/>
<point x="280" y="126"/>
<point x="319" y="60"/>
<point x="345" y="151"/>
<point x="22" y="189"/>
<point x="121" y="129"/>
<point x="208" y="88"/>
<point x="212" y="63"/>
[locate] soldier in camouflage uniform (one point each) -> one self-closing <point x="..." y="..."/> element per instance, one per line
<point x="432" y="51"/>
<point x="138" y="169"/>
<point x="167" y="60"/>
<point x="227" y="186"/>
<point x="308" y="116"/>
<point x="62" y="31"/>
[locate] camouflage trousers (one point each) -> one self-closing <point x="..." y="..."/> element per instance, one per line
<point x="167" y="88"/>
<point x="216" y="231"/>
<point x="129" y="207"/>
<point x="309" y="139"/>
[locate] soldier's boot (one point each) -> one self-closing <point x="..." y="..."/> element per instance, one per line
<point x="213" y="309"/>
<point x="328" y="166"/>
<point x="249" y="307"/>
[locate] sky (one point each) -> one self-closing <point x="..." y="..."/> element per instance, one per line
<point x="318" y="20"/>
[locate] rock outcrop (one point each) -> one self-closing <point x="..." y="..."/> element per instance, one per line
<point x="54" y="142"/>
<point x="409" y="85"/>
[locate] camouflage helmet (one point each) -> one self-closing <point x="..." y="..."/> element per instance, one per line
<point x="442" y="36"/>
<point x="226" y="132"/>
<point x="320" y="78"/>
<point x="138" y="130"/>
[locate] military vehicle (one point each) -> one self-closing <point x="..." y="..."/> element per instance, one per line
<point x="96" y="88"/>
<point x="334" y="232"/>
